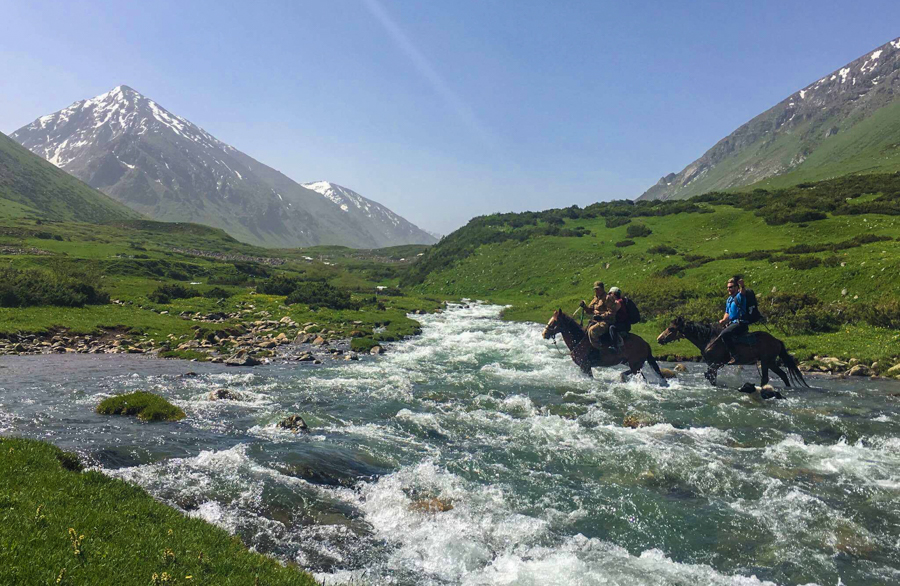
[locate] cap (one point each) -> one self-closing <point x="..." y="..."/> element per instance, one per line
<point x="614" y="290"/>
<point x="598" y="284"/>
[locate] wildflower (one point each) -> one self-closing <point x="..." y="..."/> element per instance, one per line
<point x="168" y="556"/>
<point x="77" y="540"/>
<point x="38" y="517"/>
<point x="62" y="573"/>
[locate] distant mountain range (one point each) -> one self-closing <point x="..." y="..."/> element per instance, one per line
<point x="845" y="122"/>
<point x="167" y="168"/>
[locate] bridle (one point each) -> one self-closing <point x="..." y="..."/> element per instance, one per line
<point x="553" y="336"/>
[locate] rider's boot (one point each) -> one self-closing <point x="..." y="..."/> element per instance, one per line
<point x="620" y="343"/>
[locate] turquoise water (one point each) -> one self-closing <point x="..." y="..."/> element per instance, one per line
<point x="546" y="485"/>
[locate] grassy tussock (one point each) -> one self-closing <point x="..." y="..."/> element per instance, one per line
<point x="145" y="405"/>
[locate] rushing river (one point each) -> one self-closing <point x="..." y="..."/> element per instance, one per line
<point x="546" y="484"/>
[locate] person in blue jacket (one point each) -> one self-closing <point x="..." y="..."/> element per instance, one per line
<point x="735" y="318"/>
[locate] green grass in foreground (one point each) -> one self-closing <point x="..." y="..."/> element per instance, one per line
<point x="146" y="405"/>
<point x="60" y="526"/>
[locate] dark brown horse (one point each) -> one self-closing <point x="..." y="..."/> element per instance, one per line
<point x="635" y="351"/>
<point x="765" y="349"/>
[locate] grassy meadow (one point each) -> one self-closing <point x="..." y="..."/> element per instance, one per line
<point x="828" y="289"/>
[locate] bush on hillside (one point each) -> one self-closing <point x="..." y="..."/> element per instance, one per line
<point x="62" y="287"/>
<point x="167" y="293"/>
<point x="280" y="284"/>
<point x="804" y="263"/>
<point x="217" y="293"/>
<point x="671" y="271"/>
<point x="638" y="231"/>
<point x="616" y="221"/>
<point x="662" y="249"/>
<point x="317" y="294"/>
<point x="624" y="243"/>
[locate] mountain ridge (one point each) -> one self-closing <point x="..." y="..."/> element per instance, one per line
<point x="168" y="168"/>
<point x="784" y="140"/>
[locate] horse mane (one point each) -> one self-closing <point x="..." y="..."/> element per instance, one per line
<point x="569" y="321"/>
<point x="700" y="330"/>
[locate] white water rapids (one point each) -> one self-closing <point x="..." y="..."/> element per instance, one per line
<point x="546" y="484"/>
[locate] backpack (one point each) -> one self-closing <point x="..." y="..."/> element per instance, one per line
<point x="753" y="314"/>
<point x="634" y="314"/>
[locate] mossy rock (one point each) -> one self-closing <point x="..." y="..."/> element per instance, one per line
<point x="145" y="405"/>
<point x="362" y="344"/>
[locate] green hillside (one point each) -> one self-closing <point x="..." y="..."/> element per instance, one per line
<point x="823" y="259"/>
<point x="30" y="186"/>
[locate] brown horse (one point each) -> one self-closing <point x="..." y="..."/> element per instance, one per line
<point x="635" y="351"/>
<point x="765" y="349"/>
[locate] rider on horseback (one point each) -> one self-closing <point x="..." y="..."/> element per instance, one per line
<point x="735" y="318"/>
<point x="621" y="321"/>
<point x="601" y="316"/>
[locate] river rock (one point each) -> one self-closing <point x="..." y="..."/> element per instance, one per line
<point x="303" y="338"/>
<point x="667" y="373"/>
<point x="281" y="339"/>
<point x="242" y="359"/>
<point x="294" y="422"/>
<point x="380" y="350"/>
<point x="433" y="505"/>
<point x="223" y="395"/>
<point x="894" y="371"/>
<point x="306" y="357"/>
<point x="680" y="368"/>
<point x="319" y="341"/>
<point x="860" y="370"/>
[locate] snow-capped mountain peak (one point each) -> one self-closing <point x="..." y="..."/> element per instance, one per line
<point x="168" y="168"/>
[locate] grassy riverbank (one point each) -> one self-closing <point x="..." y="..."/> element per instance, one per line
<point x="63" y="526"/>
<point x="215" y="280"/>
<point x="822" y="258"/>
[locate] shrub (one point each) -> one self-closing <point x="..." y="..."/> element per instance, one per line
<point x="280" y="284"/>
<point x="624" y="243"/>
<point x="662" y="249"/>
<point x="884" y="314"/>
<point x="217" y="293"/>
<point x="317" y="294"/>
<point x="166" y="293"/>
<point x="758" y="255"/>
<point x="62" y="287"/>
<point x="638" y="231"/>
<point x="616" y="221"/>
<point x="804" y="263"/>
<point x="670" y="271"/>
<point x="147" y="407"/>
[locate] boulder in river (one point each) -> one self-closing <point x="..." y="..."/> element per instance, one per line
<point x="376" y="350"/>
<point x="894" y="371"/>
<point x="667" y="372"/>
<point x="319" y="341"/>
<point x="224" y="395"/>
<point x="306" y="357"/>
<point x="680" y="368"/>
<point x="242" y="359"/>
<point x="294" y="422"/>
<point x="432" y="505"/>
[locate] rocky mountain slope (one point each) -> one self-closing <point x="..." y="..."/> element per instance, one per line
<point x="169" y="169"/>
<point x="30" y="186"/>
<point x="365" y="210"/>
<point x="845" y="122"/>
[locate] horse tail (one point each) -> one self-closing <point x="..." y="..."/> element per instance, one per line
<point x="790" y="364"/>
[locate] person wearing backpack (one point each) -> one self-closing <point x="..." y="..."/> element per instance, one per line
<point x="735" y="318"/>
<point x="753" y="314"/>
<point x="626" y="313"/>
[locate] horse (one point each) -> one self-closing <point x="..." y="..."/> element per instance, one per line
<point x="766" y="349"/>
<point x="635" y="351"/>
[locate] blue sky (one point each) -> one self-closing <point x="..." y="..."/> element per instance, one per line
<point x="443" y="110"/>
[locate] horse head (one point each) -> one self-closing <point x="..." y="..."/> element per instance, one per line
<point x="675" y="331"/>
<point x="552" y="326"/>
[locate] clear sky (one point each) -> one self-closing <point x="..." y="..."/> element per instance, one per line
<point x="443" y="110"/>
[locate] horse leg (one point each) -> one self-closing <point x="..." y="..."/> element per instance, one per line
<point x="625" y="374"/>
<point x="782" y="375"/>
<point x="711" y="374"/>
<point x="764" y="368"/>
